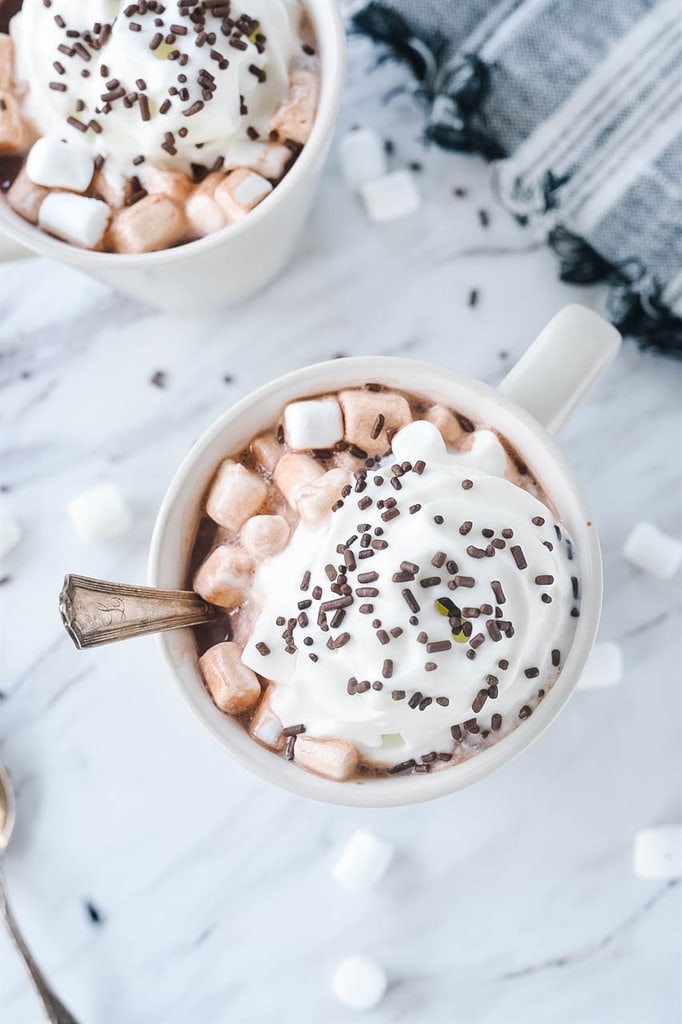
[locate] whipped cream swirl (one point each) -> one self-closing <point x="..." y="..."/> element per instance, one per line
<point x="171" y="84"/>
<point x="424" y="611"/>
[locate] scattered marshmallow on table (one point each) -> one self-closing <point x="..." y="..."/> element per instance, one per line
<point x="656" y="552"/>
<point x="604" y="667"/>
<point x="100" y="513"/>
<point x="658" y="852"/>
<point x="236" y="493"/>
<point x="240" y="191"/>
<point x="362" y="156"/>
<point x="359" y="983"/>
<point x="394" y="195"/>
<point x="152" y="224"/>
<point x="363" y="862"/>
<point x="55" y="164"/>
<point x="10" y="533"/>
<point x="76" y="219"/>
<point x="233" y="686"/>
<point x="313" y="423"/>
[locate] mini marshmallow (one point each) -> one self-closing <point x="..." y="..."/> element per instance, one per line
<point x="363" y="862"/>
<point x="658" y="852"/>
<point x="203" y="212"/>
<point x="295" y="471"/>
<point x="100" y="513"/>
<point x="344" y="460"/>
<point x="13" y="131"/>
<point x="74" y="219"/>
<point x="316" y="423"/>
<point x="656" y="552"/>
<point x="267" y="451"/>
<point x="447" y="424"/>
<point x="268" y="158"/>
<point x="265" y="726"/>
<point x="334" y="759"/>
<point x="264" y="536"/>
<point x="114" y="189"/>
<point x="152" y="224"/>
<point x="236" y="493"/>
<point x="314" y="501"/>
<point x="604" y="667"/>
<point x="25" y="198"/>
<point x="55" y="164"/>
<point x="294" y="118"/>
<point x="362" y="156"/>
<point x="6" y="61"/>
<point x="10" y="533"/>
<point x="174" y="185"/>
<point x="392" y="196"/>
<point x="359" y="983"/>
<point x="224" y="576"/>
<point x="233" y="687"/>
<point x="365" y="411"/>
<point x="240" y="191"/>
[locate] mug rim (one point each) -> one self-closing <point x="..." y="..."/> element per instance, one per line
<point x="326" y="17"/>
<point x="399" y="790"/>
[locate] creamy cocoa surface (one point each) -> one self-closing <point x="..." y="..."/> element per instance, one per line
<point x="134" y="127"/>
<point x="401" y="639"/>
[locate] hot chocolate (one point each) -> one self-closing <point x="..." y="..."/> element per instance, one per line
<point x="398" y="591"/>
<point x="134" y="127"/>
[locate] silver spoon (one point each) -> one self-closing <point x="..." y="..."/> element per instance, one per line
<point x="55" y="1011"/>
<point x="96" y="612"/>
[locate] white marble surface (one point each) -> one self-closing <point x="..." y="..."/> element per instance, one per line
<point x="511" y="903"/>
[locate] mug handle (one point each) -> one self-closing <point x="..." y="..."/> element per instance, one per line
<point x="565" y="359"/>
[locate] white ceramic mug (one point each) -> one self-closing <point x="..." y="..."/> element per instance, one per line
<point x="225" y="267"/>
<point x="528" y="407"/>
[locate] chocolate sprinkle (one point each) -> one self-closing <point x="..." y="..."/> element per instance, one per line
<point x="519" y="557"/>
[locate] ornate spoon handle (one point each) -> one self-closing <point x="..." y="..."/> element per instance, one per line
<point x="55" y="1011"/>
<point x="96" y="612"/>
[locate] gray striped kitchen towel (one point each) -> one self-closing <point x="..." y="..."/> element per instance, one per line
<point x="579" y="103"/>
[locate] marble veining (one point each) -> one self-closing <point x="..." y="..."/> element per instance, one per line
<point x="510" y="903"/>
